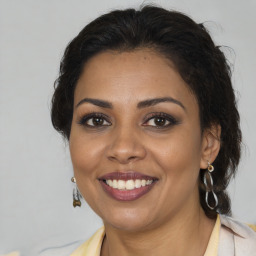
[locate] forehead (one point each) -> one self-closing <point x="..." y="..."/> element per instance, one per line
<point x="124" y="77"/>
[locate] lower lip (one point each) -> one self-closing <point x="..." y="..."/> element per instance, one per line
<point x="126" y="195"/>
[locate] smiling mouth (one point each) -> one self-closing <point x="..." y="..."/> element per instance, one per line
<point x="127" y="186"/>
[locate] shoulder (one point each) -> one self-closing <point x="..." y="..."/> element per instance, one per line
<point x="62" y="250"/>
<point x="76" y="248"/>
<point x="253" y="227"/>
<point x="238" y="227"/>
<point x="236" y="237"/>
<point x="92" y="246"/>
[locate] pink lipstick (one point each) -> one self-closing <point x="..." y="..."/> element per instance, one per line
<point x="127" y="186"/>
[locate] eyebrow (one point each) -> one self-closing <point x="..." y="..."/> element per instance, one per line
<point x="99" y="103"/>
<point x="142" y="104"/>
<point x="152" y="102"/>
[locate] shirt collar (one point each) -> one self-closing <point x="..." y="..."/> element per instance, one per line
<point x="235" y="226"/>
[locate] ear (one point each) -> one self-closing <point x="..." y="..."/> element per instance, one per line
<point x="210" y="145"/>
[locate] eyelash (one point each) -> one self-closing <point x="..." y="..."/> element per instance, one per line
<point x="83" y="121"/>
<point x="172" y="121"/>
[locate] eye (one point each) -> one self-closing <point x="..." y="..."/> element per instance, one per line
<point x="94" y="120"/>
<point x="160" y="120"/>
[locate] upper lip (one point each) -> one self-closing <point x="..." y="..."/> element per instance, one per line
<point x="131" y="175"/>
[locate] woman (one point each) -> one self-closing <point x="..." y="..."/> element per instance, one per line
<point x="146" y="102"/>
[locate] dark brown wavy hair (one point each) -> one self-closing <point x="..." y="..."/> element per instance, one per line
<point x="201" y="64"/>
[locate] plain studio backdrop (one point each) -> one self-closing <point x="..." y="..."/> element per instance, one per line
<point x="35" y="188"/>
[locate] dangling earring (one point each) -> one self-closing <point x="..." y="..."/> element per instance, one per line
<point x="209" y="187"/>
<point x="76" y="194"/>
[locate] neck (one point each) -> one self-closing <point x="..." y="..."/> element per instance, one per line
<point x="183" y="233"/>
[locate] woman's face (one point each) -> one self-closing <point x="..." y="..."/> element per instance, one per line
<point x="135" y="142"/>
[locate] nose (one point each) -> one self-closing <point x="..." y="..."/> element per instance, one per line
<point x="126" y="146"/>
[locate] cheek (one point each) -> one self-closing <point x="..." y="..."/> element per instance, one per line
<point x="179" y="155"/>
<point x="84" y="152"/>
<point x="84" y="161"/>
<point x="183" y="145"/>
<point x="179" y="159"/>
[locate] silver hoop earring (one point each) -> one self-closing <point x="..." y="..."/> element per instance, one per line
<point x="208" y="182"/>
<point x="76" y="194"/>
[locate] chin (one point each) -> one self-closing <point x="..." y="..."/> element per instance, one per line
<point x="128" y="219"/>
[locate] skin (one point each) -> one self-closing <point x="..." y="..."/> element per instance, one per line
<point x="127" y="140"/>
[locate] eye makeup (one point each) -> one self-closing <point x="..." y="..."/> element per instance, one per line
<point x="94" y="120"/>
<point x="154" y="120"/>
<point x="160" y="120"/>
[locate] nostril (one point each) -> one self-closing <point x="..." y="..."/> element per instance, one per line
<point x="125" y="149"/>
<point x="123" y="159"/>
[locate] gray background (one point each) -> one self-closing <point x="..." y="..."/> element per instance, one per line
<point x="35" y="188"/>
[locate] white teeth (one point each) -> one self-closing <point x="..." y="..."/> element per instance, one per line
<point x="137" y="183"/>
<point x="129" y="184"/>
<point x="110" y="183"/>
<point x="121" y="184"/>
<point x="148" y="182"/>
<point x="114" y="184"/>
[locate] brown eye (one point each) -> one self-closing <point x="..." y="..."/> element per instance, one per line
<point x="97" y="121"/>
<point x="94" y="120"/>
<point x="160" y="121"/>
